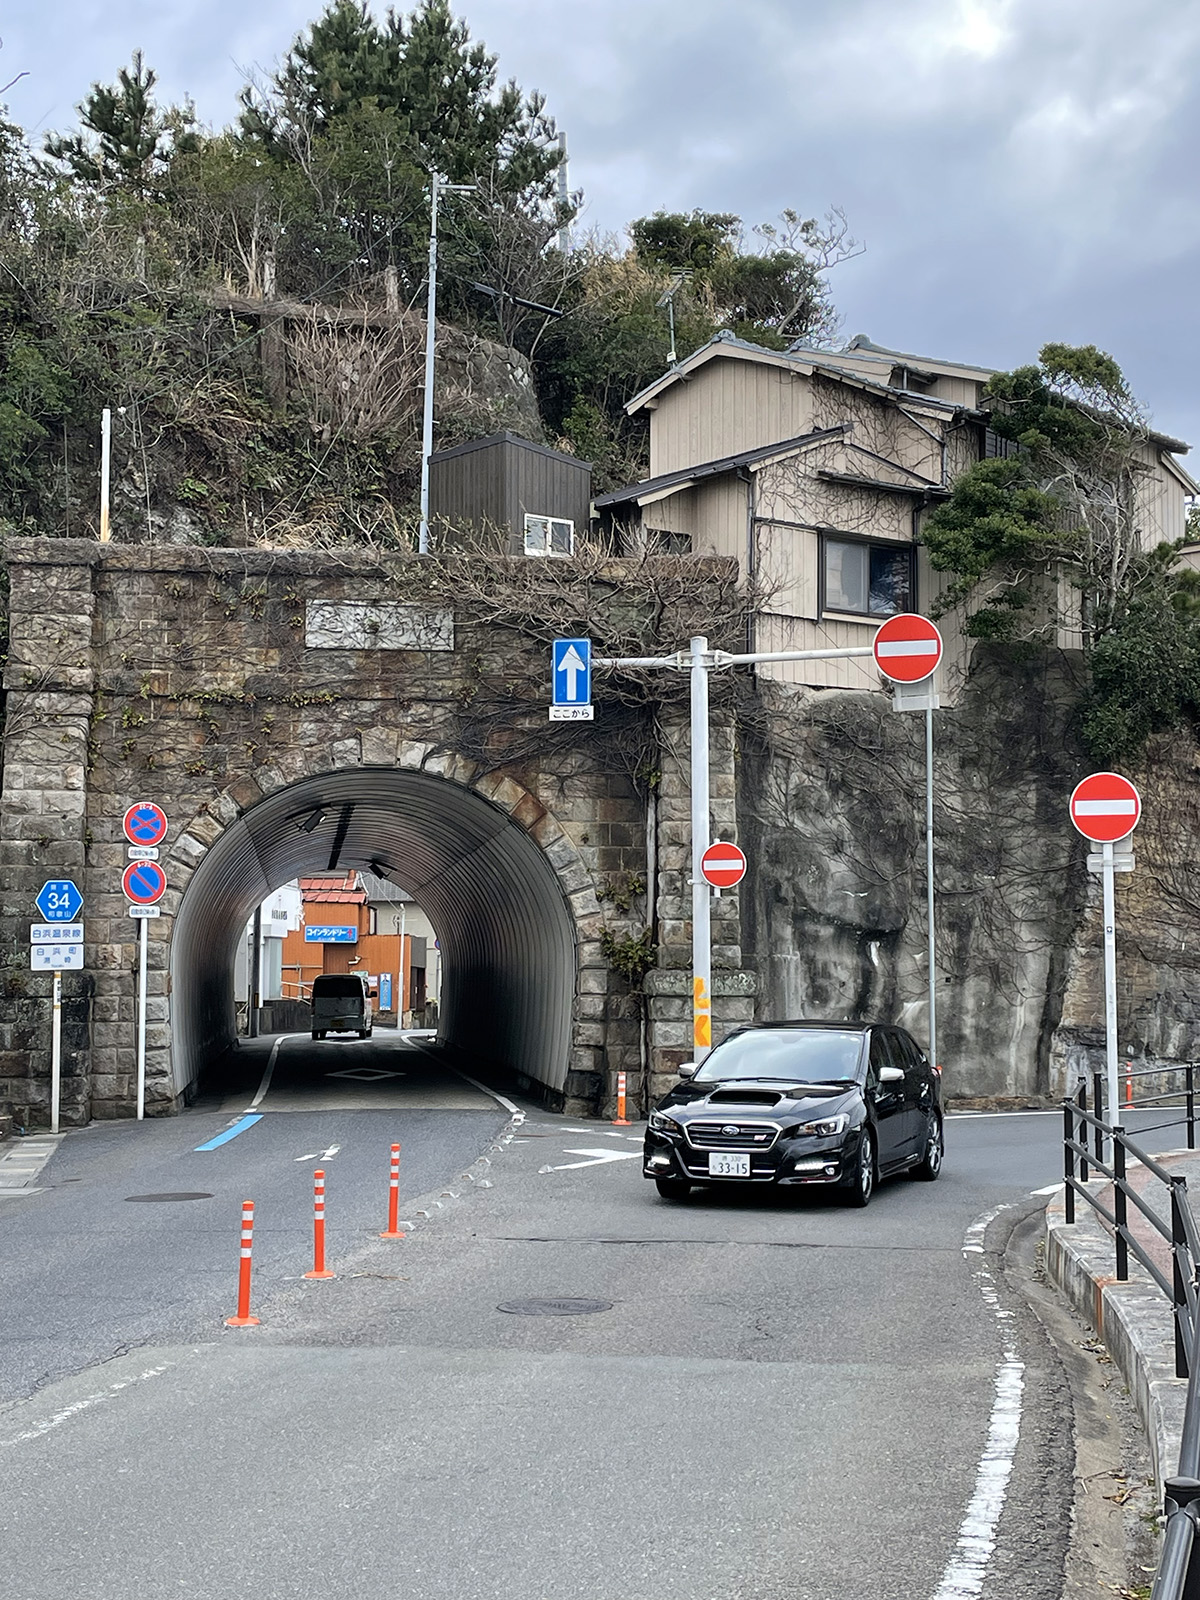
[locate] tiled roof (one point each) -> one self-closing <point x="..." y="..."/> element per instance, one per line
<point x="335" y="889"/>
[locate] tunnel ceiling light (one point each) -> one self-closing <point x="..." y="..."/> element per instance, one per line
<point x="312" y="822"/>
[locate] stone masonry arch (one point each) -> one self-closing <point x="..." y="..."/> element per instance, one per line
<point x="502" y="882"/>
<point x="236" y="686"/>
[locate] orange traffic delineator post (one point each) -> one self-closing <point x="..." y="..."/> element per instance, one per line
<point x="243" y="1318"/>
<point x="1129" y="1083"/>
<point x="393" y="1227"/>
<point x="621" y="1120"/>
<point x="318" y="1270"/>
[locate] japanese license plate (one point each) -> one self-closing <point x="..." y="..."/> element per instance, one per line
<point x="729" y="1164"/>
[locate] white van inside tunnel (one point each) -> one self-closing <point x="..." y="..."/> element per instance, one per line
<point x="506" y="935"/>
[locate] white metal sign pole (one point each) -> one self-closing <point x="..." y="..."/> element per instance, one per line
<point x="701" y="893"/>
<point x="105" y="471"/>
<point x="1110" y="984"/>
<point x="435" y="184"/>
<point x="56" y="1052"/>
<point x="933" y="1042"/>
<point x="141" y="1032"/>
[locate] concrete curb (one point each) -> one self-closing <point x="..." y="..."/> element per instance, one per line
<point x="1133" y="1319"/>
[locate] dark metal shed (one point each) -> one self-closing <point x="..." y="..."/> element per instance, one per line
<point x="526" y="491"/>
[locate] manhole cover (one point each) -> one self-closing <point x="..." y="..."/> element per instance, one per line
<point x="158" y="1198"/>
<point x="554" y="1308"/>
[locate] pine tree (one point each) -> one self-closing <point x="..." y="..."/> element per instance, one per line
<point x="126" y="136"/>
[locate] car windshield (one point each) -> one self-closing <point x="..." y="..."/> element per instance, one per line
<point x="785" y="1055"/>
<point x="337" y="987"/>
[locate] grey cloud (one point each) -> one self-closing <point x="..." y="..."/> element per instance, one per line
<point x="1020" y="171"/>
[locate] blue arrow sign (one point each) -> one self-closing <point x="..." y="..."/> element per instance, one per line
<point x="59" y="901"/>
<point x="328" y="933"/>
<point x="572" y="677"/>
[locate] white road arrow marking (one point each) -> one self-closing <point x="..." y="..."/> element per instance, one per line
<point x="321" y="1155"/>
<point x="597" y="1158"/>
<point x="572" y="665"/>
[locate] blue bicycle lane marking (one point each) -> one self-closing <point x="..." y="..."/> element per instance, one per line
<point x="239" y="1126"/>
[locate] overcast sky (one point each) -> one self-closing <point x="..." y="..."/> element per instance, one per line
<point x="1019" y="170"/>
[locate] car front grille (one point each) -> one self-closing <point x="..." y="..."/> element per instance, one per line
<point x="752" y="1136"/>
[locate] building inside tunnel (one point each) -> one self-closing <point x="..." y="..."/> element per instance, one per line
<point x="506" y="936"/>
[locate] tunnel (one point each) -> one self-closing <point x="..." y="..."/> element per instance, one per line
<point x="505" y="931"/>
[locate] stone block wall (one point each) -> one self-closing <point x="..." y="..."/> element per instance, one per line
<point x="186" y="675"/>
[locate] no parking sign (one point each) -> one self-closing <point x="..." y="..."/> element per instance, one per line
<point x="144" y="883"/>
<point x="145" y="823"/>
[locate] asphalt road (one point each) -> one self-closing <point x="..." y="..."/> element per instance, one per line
<point x="785" y="1401"/>
<point x="90" y="1269"/>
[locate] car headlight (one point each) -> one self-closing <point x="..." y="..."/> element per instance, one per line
<point x="826" y="1127"/>
<point x="663" y="1124"/>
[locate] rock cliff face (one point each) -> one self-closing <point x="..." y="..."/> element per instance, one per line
<point x="833" y="805"/>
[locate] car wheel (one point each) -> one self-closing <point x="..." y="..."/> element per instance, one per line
<point x="930" y="1163"/>
<point x="862" y="1184"/>
<point x="673" y="1188"/>
<point x="364" y="1033"/>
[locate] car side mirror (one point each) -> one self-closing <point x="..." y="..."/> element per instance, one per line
<point x="686" y="1069"/>
<point x="891" y="1075"/>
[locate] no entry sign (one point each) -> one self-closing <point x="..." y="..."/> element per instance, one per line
<point x="723" y="865"/>
<point x="907" y="648"/>
<point x="144" y="882"/>
<point x="1105" y="807"/>
<point x="145" y="823"/>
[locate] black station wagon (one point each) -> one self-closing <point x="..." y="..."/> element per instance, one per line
<point x="800" y="1102"/>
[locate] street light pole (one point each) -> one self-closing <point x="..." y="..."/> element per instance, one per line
<point x="437" y="187"/>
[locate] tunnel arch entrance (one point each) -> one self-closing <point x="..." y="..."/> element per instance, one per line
<point x="504" y="923"/>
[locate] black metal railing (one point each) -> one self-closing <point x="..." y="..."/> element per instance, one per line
<point x="1178" y="1576"/>
<point x="1178" y="1230"/>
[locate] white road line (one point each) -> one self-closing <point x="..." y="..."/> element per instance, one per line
<point x="1033" y="1112"/>
<point x="22" y="1163"/>
<point x="515" y="1112"/>
<point x="266" y="1078"/>
<point x="966" y="1570"/>
<point x="86" y="1404"/>
<point x="596" y="1158"/>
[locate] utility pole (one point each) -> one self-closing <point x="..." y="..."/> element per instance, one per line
<point x="564" y="197"/>
<point x="255" y="973"/>
<point x="437" y="187"/>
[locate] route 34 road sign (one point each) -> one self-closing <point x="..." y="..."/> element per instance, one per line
<point x="59" y="901"/>
<point x="571" y="680"/>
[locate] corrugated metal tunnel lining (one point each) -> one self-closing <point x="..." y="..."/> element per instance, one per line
<point x="506" y="934"/>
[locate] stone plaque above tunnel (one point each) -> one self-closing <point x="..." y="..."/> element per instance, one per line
<point x="375" y="625"/>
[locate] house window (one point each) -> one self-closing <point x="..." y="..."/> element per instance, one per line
<point x="668" y="542"/>
<point x="875" y="580"/>
<point x="549" y="536"/>
<point x="996" y="445"/>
